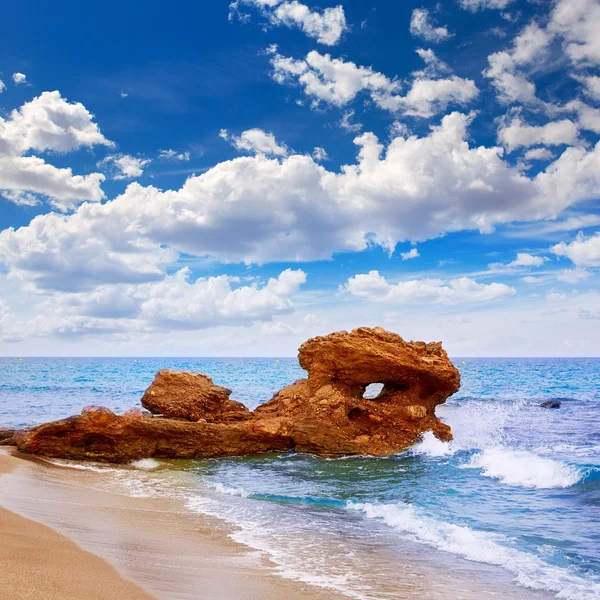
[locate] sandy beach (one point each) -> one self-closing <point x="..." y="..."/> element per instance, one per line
<point x="65" y="540"/>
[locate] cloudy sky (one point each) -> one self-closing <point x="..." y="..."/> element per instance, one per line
<point x="228" y="179"/>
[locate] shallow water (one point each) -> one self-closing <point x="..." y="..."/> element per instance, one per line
<point x="515" y="497"/>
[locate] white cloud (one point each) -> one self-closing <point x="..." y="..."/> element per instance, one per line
<point x="573" y="276"/>
<point x="256" y="141"/>
<point x="172" y="303"/>
<point x="9" y="329"/>
<point x="587" y="117"/>
<point x="527" y="260"/>
<point x="19" y="78"/>
<point x="583" y="252"/>
<point x="592" y="85"/>
<point x="556" y="297"/>
<point x="412" y="253"/>
<point x="326" y="26"/>
<point x="320" y="154"/>
<point x="347" y="122"/>
<point x="506" y="67"/>
<point x="2" y="86"/>
<point x="331" y="80"/>
<point x="256" y="209"/>
<point x="338" y="82"/>
<point x="475" y="5"/>
<point x="173" y="155"/>
<point x="578" y="22"/>
<point x="372" y="286"/>
<point x="518" y="134"/>
<point x="421" y="26"/>
<point x="124" y="166"/>
<point x="47" y="123"/>
<point x="530" y="279"/>
<point x="538" y="154"/>
<point x="278" y="328"/>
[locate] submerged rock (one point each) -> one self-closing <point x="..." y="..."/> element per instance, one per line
<point x="551" y="404"/>
<point x="325" y="414"/>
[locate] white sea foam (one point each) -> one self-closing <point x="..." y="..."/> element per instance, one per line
<point x="529" y="570"/>
<point x="96" y="468"/>
<point x="431" y="446"/>
<point x="145" y="464"/>
<point x="524" y="469"/>
<point x="230" y="491"/>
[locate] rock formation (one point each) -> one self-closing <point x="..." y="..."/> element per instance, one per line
<point x="6" y="436"/>
<point x="325" y="414"/>
<point x="192" y="396"/>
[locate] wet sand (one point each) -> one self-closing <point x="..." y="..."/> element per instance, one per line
<point x="38" y="563"/>
<point x="62" y="539"/>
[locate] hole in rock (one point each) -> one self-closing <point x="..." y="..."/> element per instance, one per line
<point x="373" y="390"/>
<point x="357" y="413"/>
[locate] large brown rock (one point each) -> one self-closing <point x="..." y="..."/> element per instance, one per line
<point x="192" y="396"/>
<point x="325" y="414"/>
<point x="330" y="414"/>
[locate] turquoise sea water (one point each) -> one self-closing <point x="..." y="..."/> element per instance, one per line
<point x="516" y="493"/>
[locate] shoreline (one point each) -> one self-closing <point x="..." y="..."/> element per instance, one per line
<point x="168" y="553"/>
<point x="137" y="548"/>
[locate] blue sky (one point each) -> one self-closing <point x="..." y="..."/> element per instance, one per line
<point x="232" y="178"/>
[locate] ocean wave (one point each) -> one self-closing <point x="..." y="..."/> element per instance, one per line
<point x="524" y="469"/>
<point x="230" y="491"/>
<point x="431" y="446"/>
<point x="145" y="464"/>
<point x="478" y="546"/>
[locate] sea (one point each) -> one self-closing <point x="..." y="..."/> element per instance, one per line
<point x="513" y="501"/>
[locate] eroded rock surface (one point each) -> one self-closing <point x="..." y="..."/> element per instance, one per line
<point x="192" y="396"/>
<point x="326" y="414"/>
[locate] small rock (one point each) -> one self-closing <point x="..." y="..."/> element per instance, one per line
<point x="550" y="404"/>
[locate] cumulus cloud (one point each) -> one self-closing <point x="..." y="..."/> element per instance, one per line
<point x="583" y="251"/>
<point x="538" y="154"/>
<point x="2" y="86"/>
<point x="578" y="23"/>
<point x="258" y="209"/>
<point x="573" y="276"/>
<point x="176" y="301"/>
<point x="587" y="117"/>
<point x="475" y="5"/>
<point x="506" y="67"/>
<point x="320" y="154"/>
<point x="338" y="82"/>
<point x="527" y="260"/>
<point x="412" y="253"/>
<point x="326" y="26"/>
<point x="173" y="155"/>
<point x="422" y="26"/>
<point x="255" y="141"/>
<point x="124" y="166"/>
<point x="518" y="134"/>
<point x="374" y="287"/>
<point x="19" y="78"/>
<point x="592" y="85"/>
<point x="48" y="123"/>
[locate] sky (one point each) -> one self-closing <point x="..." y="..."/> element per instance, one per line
<point x="232" y="178"/>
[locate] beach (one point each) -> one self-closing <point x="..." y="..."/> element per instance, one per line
<point x="62" y="540"/>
